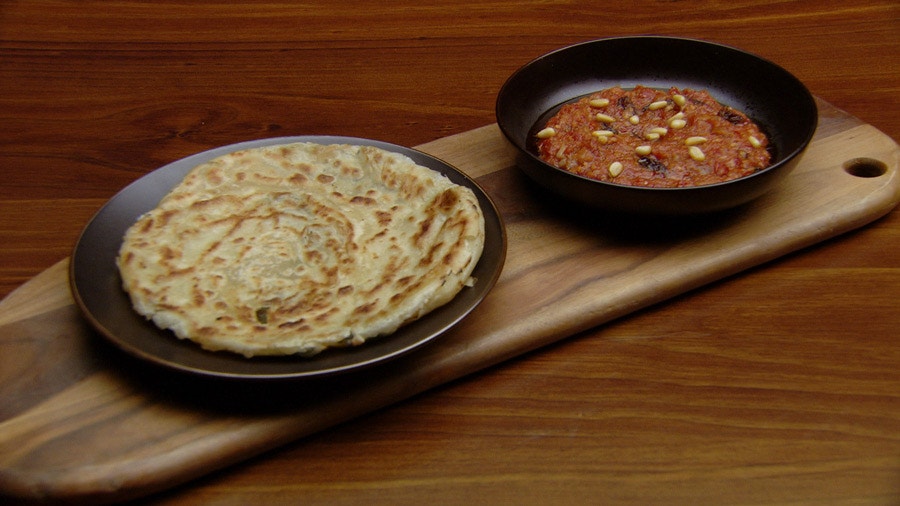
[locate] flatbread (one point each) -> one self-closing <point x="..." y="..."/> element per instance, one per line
<point x="295" y="248"/>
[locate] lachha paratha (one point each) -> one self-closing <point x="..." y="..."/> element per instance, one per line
<point x="294" y="248"/>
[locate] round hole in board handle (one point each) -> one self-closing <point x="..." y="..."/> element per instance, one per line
<point x="865" y="167"/>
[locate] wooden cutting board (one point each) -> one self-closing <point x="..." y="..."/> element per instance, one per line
<point x="80" y="420"/>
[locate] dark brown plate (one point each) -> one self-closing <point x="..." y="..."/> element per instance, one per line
<point x="771" y="96"/>
<point x="96" y="284"/>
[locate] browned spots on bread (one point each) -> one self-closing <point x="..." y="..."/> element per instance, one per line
<point x="365" y="308"/>
<point x="214" y="177"/>
<point x="428" y="259"/>
<point x="384" y="218"/>
<point x="448" y="199"/>
<point x="424" y="226"/>
<point x="368" y="201"/>
<point x="321" y="317"/>
<point x="299" y="325"/>
<point x="198" y="299"/>
<point x="167" y="253"/>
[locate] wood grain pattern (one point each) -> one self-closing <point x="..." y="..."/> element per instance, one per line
<point x="776" y="385"/>
<point x="135" y="439"/>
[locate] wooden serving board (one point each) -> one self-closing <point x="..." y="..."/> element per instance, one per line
<point x="81" y="420"/>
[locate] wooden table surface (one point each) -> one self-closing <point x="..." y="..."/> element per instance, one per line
<point x="778" y="385"/>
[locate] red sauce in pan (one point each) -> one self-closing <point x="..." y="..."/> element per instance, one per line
<point x="653" y="138"/>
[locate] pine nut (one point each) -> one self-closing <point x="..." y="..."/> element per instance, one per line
<point x="754" y="142"/>
<point x="659" y="104"/>
<point x="546" y="133"/>
<point x="693" y="141"/>
<point x="651" y="136"/>
<point x="697" y="153"/>
<point x="615" y="169"/>
<point x="599" y="102"/>
<point x="679" y="100"/>
<point x="634" y="119"/>
<point x="642" y="150"/>
<point x="659" y="130"/>
<point x="606" y="118"/>
<point x="677" y="123"/>
<point x="602" y="135"/>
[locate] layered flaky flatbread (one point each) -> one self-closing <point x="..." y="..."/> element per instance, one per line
<point x="294" y="248"/>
